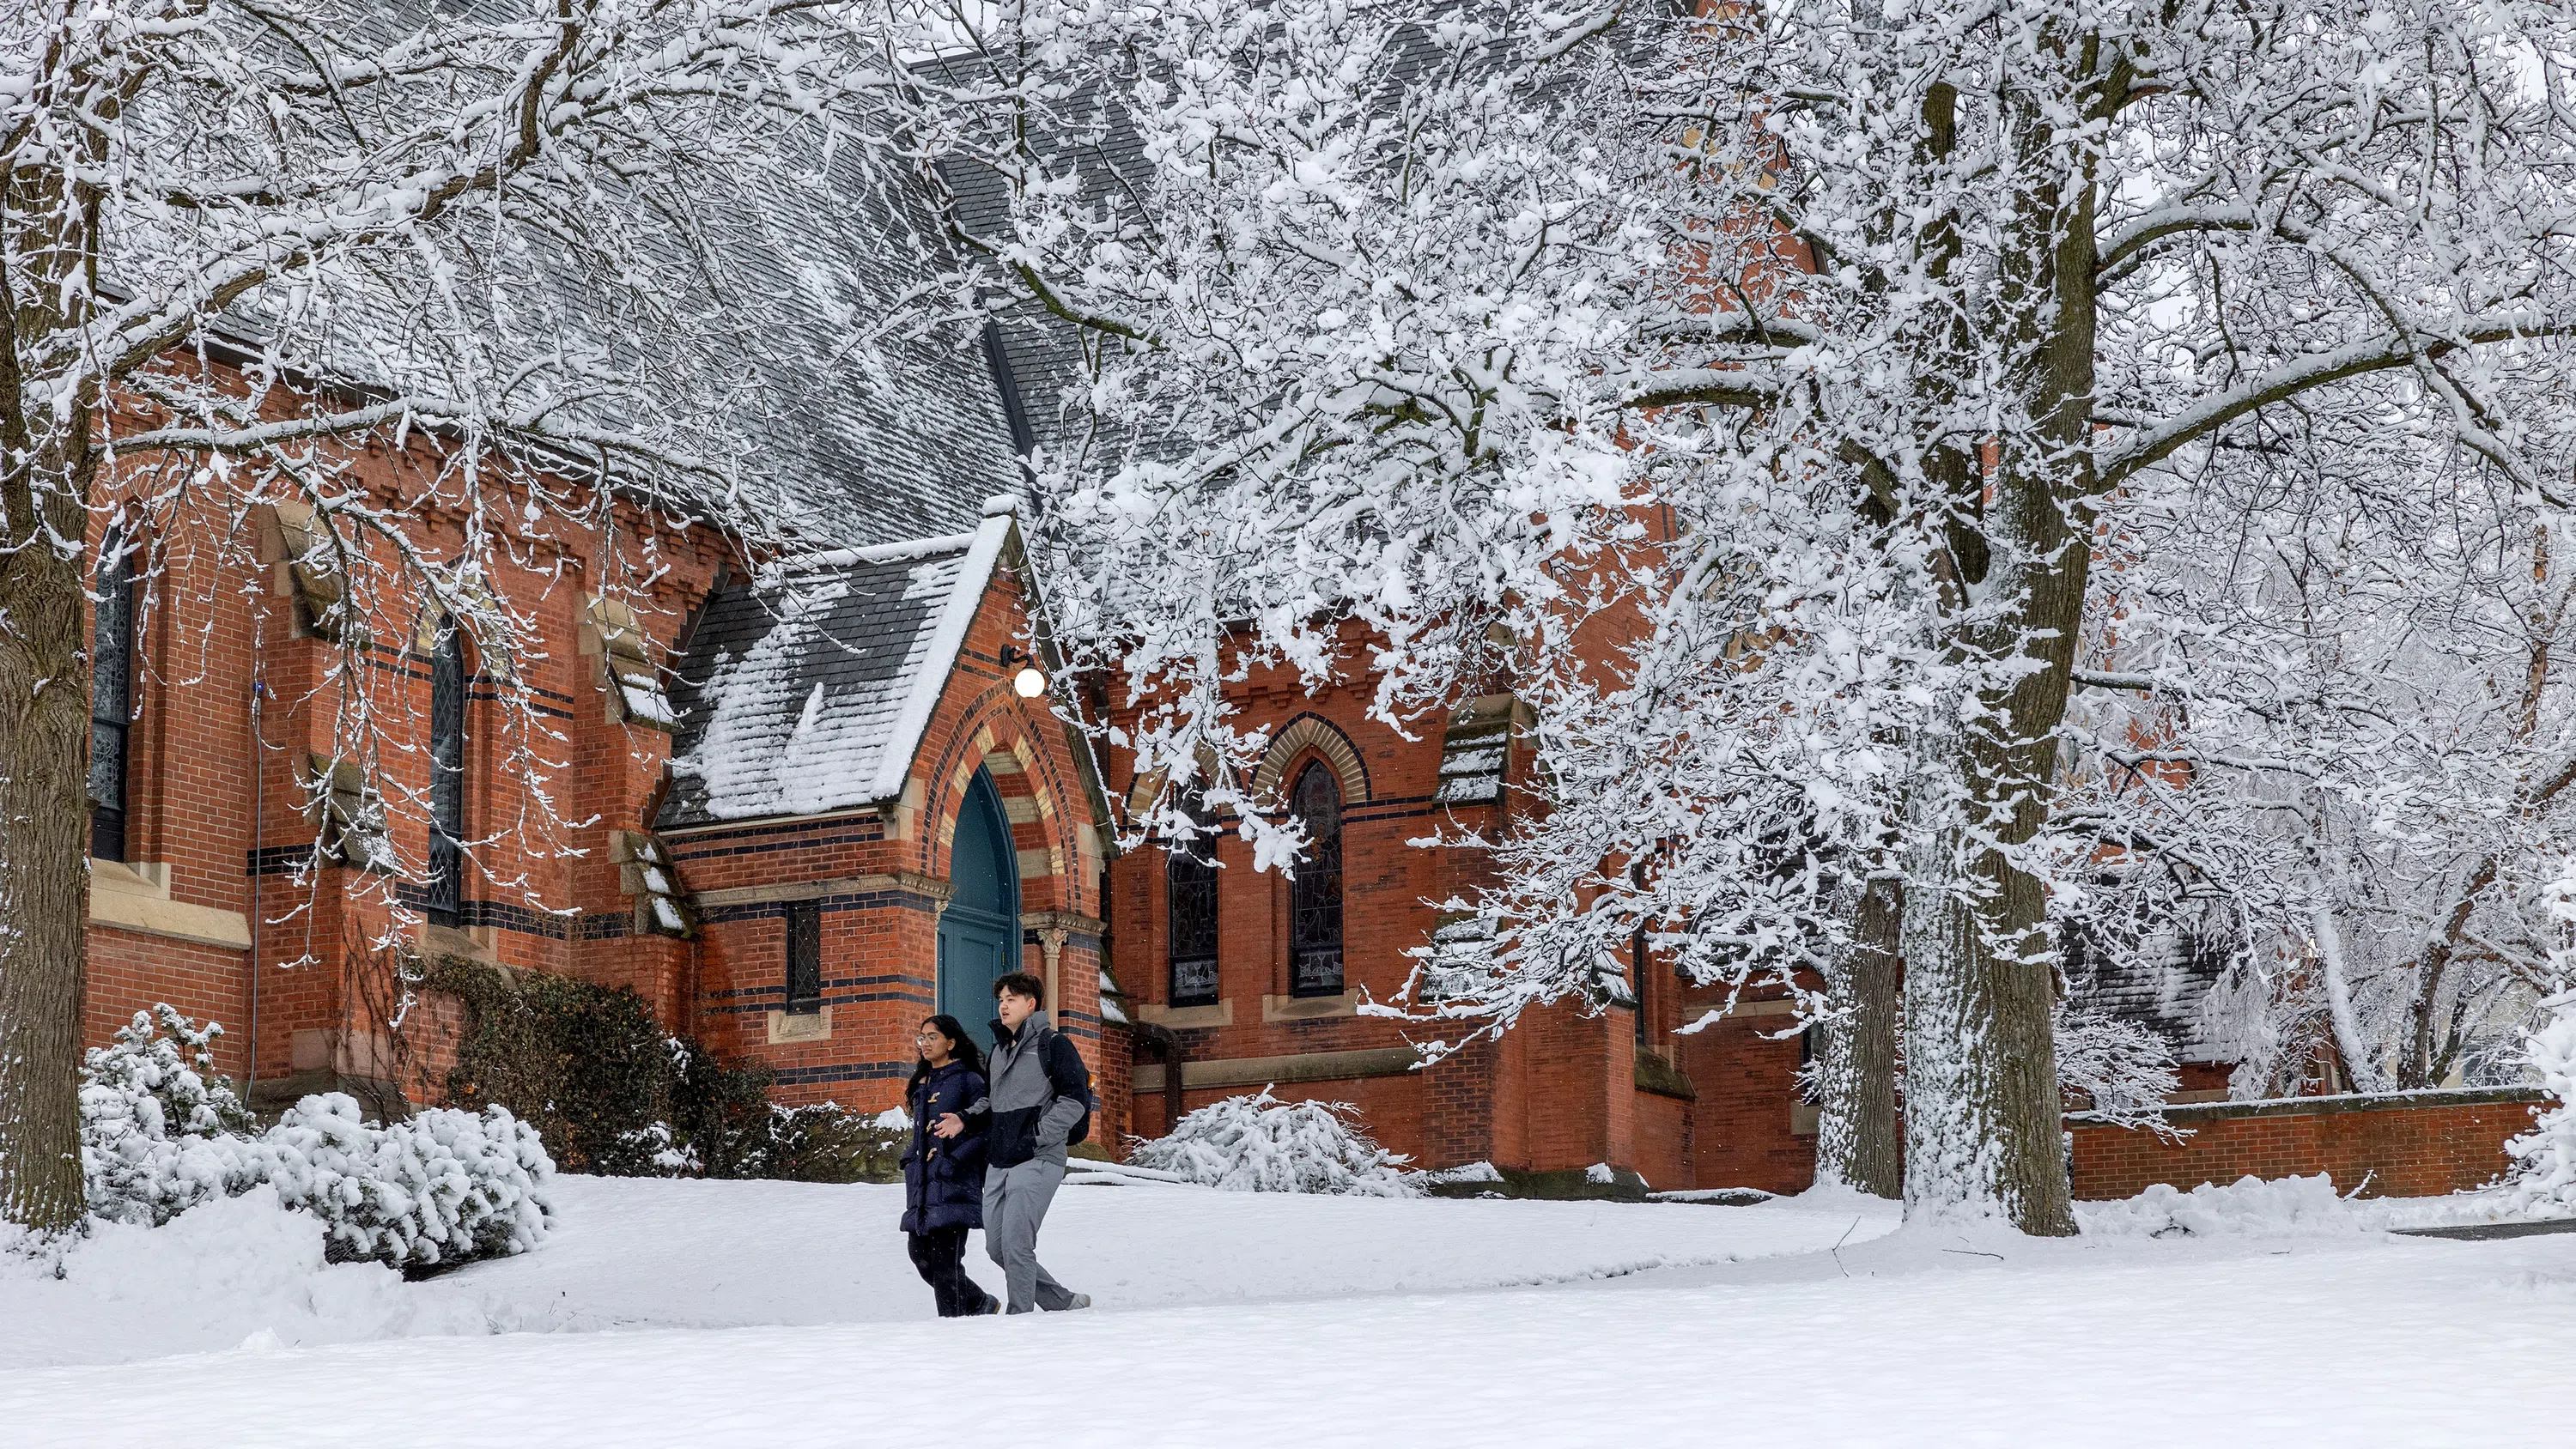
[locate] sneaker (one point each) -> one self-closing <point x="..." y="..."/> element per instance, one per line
<point x="992" y="1306"/>
<point x="1080" y="1300"/>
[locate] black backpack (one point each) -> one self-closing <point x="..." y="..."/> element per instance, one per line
<point x="1064" y="1067"/>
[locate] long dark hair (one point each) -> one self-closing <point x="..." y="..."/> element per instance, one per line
<point x="962" y="1048"/>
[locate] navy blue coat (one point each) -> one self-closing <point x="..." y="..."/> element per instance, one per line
<point x="943" y="1178"/>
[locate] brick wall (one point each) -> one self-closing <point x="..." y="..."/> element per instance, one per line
<point x="1745" y="1125"/>
<point x="2406" y="1144"/>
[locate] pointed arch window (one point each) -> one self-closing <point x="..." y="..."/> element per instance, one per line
<point x="111" y="699"/>
<point x="1190" y="888"/>
<point x="1315" y="895"/>
<point x="445" y="905"/>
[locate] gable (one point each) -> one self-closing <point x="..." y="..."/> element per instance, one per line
<point x="808" y="690"/>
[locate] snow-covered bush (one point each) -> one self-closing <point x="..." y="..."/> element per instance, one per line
<point x="2247" y="1207"/>
<point x="2545" y="1178"/>
<point x="161" y="1133"/>
<point x="445" y="1187"/>
<point x="1257" y="1143"/>
<point x="156" y="1121"/>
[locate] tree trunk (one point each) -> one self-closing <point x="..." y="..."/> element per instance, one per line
<point x="1983" y="1129"/>
<point x="1856" y="1132"/>
<point x="1982" y="1121"/>
<point x="44" y="843"/>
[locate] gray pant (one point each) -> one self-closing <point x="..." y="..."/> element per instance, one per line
<point x="1015" y="1205"/>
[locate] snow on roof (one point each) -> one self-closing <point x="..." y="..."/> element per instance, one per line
<point x="808" y="690"/>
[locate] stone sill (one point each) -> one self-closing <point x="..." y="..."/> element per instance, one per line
<point x="135" y="896"/>
<point x="2327" y="1106"/>
<point x="1274" y="1071"/>
<point x="1187" y="1018"/>
<point x="1659" y="1076"/>
<point x="1309" y="1008"/>
<point x="796" y="1026"/>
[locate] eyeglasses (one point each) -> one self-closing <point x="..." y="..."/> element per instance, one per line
<point x="929" y="1033"/>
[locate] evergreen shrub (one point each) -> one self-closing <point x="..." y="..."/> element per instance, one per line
<point x="614" y="1094"/>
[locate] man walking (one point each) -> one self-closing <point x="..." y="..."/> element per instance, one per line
<point x="1039" y="1094"/>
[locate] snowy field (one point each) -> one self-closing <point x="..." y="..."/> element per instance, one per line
<point x="769" y="1313"/>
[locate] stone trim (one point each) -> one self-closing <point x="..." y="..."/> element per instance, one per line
<point x="2341" y="1102"/>
<point x="1656" y="1075"/>
<point x="1273" y="1071"/>
<point x="1326" y="739"/>
<point x="799" y="1026"/>
<point x="1071" y="922"/>
<point x="1186" y="1018"/>
<point x="767" y="822"/>
<point x="1309" y="1008"/>
<point x="148" y="878"/>
<point x="127" y="910"/>
<point x="902" y="880"/>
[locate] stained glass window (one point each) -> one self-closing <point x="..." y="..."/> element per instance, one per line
<point x="111" y="700"/>
<point x="804" y="957"/>
<point x="1190" y="885"/>
<point x="447" y="681"/>
<point x="1315" y="897"/>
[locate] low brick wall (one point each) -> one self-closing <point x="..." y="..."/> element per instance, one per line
<point x="2408" y="1144"/>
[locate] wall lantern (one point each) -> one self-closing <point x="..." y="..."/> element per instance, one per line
<point x="1031" y="681"/>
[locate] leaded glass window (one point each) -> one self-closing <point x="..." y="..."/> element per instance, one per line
<point x="804" y="957"/>
<point x="447" y="681"/>
<point x="1315" y="897"/>
<point x="111" y="699"/>
<point x="1190" y="885"/>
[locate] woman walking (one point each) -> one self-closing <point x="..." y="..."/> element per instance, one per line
<point x="943" y="1173"/>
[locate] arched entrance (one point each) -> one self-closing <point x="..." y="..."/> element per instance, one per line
<point x="979" y="932"/>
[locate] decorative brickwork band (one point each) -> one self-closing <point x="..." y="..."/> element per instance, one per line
<point x="1310" y="732"/>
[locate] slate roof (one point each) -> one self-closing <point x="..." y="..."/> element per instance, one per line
<point x="808" y="690"/>
<point x="881" y="442"/>
<point x="1042" y="355"/>
<point x="847" y="433"/>
<point x="2161" y="984"/>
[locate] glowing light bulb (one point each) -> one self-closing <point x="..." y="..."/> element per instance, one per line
<point x="1030" y="682"/>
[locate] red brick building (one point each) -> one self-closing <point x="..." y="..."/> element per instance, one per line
<point x="1248" y="979"/>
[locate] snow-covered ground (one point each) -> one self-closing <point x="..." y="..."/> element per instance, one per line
<point x="769" y="1314"/>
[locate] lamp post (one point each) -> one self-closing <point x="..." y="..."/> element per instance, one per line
<point x="1031" y="681"/>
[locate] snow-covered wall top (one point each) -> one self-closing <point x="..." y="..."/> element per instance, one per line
<point x="808" y="690"/>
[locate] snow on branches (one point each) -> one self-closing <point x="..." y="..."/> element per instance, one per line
<point x="428" y="313"/>
<point x="1756" y="393"/>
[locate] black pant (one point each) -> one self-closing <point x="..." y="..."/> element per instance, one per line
<point x="940" y="1256"/>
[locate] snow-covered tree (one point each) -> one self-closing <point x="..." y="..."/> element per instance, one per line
<point x="1753" y="392"/>
<point x="2332" y="699"/>
<point x="520" y="250"/>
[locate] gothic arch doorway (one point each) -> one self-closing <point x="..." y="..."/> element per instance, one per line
<point x="979" y="932"/>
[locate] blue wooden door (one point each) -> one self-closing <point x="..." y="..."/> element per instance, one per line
<point x="979" y="932"/>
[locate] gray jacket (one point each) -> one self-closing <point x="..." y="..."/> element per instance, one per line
<point x="1037" y="1088"/>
